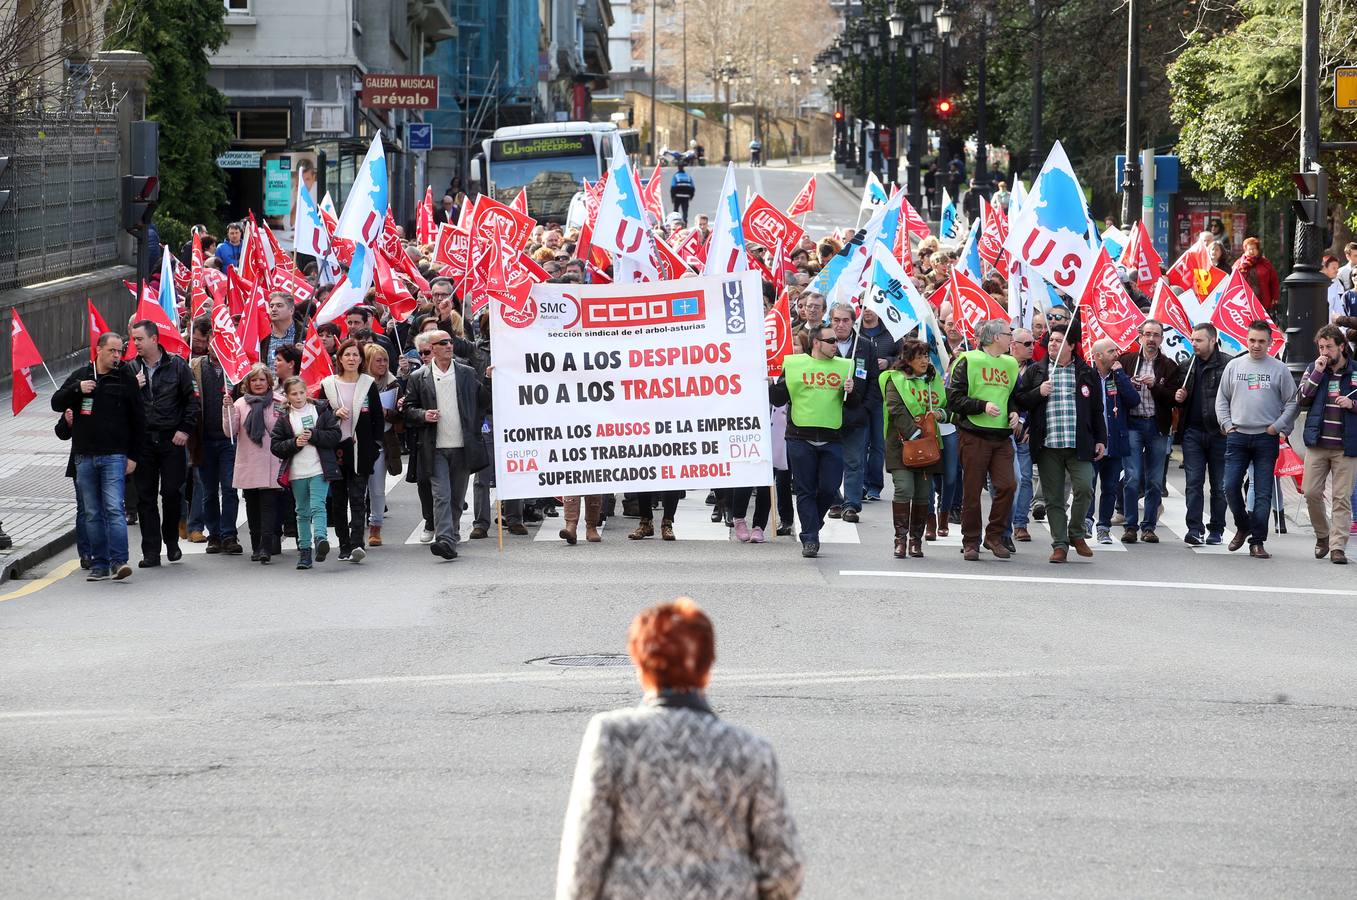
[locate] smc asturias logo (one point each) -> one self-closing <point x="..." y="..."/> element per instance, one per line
<point x="733" y="295"/>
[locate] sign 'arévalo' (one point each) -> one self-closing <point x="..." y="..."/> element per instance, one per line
<point x="638" y="387"/>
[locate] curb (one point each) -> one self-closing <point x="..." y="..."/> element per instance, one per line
<point x="17" y="565"/>
<point x="836" y="178"/>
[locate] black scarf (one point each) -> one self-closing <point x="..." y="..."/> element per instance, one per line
<point x="675" y="699"/>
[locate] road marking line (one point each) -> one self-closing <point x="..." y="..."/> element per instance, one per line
<point x="63" y="713"/>
<point x="743" y="678"/>
<point x="50" y="578"/>
<point x="1105" y="582"/>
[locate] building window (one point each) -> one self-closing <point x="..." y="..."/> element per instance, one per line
<point x="237" y="7"/>
<point x="262" y="127"/>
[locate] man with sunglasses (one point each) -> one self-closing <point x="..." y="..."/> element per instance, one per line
<point x="445" y="404"/>
<point x="819" y="386"/>
<point x="1256" y="402"/>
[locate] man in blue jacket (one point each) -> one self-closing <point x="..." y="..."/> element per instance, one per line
<point x="1331" y="442"/>
<point x="1119" y="397"/>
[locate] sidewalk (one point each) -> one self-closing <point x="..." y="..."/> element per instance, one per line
<point x="37" y="500"/>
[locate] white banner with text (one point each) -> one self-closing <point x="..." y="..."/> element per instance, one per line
<point x="639" y="387"/>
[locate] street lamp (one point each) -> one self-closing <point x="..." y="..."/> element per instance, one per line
<point x="727" y="73"/>
<point x="926" y="10"/>
<point x="944" y="18"/>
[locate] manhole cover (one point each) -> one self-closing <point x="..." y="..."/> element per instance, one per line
<point x="585" y="660"/>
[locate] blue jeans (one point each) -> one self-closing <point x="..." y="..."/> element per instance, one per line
<point x="1144" y="467"/>
<point x="945" y="484"/>
<point x="1022" y="504"/>
<point x="1106" y="486"/>
<point x="816" y="473"/>
<point x="1258" y="453"/>
<point x="102" y="481"/>
<point x="875" y="478"/>
<point x="1204" y="454"/>
<point x="82" y="534"/>
<point x="220" y="501"/>
<point x="191" y="509"/>
<point x="854" y="448"/>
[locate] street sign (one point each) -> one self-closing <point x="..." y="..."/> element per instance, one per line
<point x="1345" y="87"/>
<point x="420" y="136"/>
<point x="239" y="159"/>
<point x="400" y="92"/>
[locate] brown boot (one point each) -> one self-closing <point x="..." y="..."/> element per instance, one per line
<point x="667" y="530"/>
<point x="931" y="528"/>
<point x="918" y="518"/>
<point x="944" y="528"/>
<point x="593" y="513"/>
<point x="644" y="529"/>
<point x="572" y="520"/>
<point x="900" y="513"/>
<point x="374" y="535"/>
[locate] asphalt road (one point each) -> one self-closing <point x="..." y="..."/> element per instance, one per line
<point x="1158" y="721"/>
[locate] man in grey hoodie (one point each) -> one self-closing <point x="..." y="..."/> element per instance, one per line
<point x="1256" y="403"/>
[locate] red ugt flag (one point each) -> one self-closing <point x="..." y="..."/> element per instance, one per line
<point x="226" y="346"/>
<point x="777" y="335"/>
<point x="424" y="219"/>
<point x="97" y="327"/>
<point x="316" y="364"/>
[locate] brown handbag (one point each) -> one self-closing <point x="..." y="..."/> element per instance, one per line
<point x="923" y="451"/>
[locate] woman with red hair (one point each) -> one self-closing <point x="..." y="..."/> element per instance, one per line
<point x="668" y="800"/>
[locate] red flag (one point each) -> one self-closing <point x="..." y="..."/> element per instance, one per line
<point x="498" y="233"/>
<point x="903" y="254"/>
<point x="22" y="351"/>
<point x="237" y="291"/>
<point x="273" y="252"/>
<point x="914" y="223"/>
<point x="520" y="202"/>
<point x="1108" y="309"/>
<point x="290" y="282"/>
<point x="1236" y="307"/>
<point x="97" y="327"/>
<point x="316" y="363"/>
<point x="214" y="280"/>
<point x="391" y="291"/>
<point x="970" y="304"/>
<point x="765" y="224"/>
<point x="777" y="334"/>
<point x="183" y="278"/>
<point x="1168" y="309"/>
<point x="406" y="266"/>
<point x="592" y="196"/>
<point x="424" y="228"/>
<point x="22" y="393"/>
<point x="452" y="252"/>
<point x="1193" y="270"/>
<point x="254" y="322"/>
<point x="1289" y="463"/>
<point x="170" y="339"/>
<point x="690" y="250"/>
<point x="198" y="298"/>
<point x="650" y="195"/>
<point x="391" y="236"/>
<point x="935" y="299"/>
<point x="992" y="236"/>
<point x="342" y="248"/>
<point x="225" y="345"/>
<point x="1140" y="257"/>
<point x="757" y="265"/>
<point x="804" y="201"/>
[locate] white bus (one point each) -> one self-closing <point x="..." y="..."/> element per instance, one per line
<point x="551" y="160"/>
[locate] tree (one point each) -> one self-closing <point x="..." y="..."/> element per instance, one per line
<point x="176" y="36"/>
<point x="1236" y="97"/>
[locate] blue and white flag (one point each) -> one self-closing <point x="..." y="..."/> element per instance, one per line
<point x="969" y="259"/>
<point x="364" y="213"/>
<point x="892" y="296"/>
<point x="726" y="249"/>
<point x="823" y="283"/>
<point x="166" y="298"/>
<point x="949" y="225"/>
<point x="620" y="227"/>
<point x="874" y="195"/>
<point x="1051" y="233"/>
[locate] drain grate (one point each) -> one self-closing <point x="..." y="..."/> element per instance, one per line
<point x="584" y="660"/>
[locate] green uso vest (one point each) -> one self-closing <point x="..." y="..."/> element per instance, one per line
<point x="990" y="379"/>
<point x="816" y="389"/>
<point x="912" y="391"/>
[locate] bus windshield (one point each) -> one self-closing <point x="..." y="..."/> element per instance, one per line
<point x="551" y="182"/>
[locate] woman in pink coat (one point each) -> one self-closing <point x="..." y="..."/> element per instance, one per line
<point x="249" y="421"/>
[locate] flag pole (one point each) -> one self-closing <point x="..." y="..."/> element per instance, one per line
<point x="499" y="519"/>
<point x="772" y="510"/>
<point x="49" y="375"/>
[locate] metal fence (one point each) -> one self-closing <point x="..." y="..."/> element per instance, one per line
<point x="62" y="215"/>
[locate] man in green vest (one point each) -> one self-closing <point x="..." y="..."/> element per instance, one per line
<point x="979" y="396"/>
<point x="818" y="386"/>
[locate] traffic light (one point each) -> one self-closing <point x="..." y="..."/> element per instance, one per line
<point x="141" y="189"/>
<point x="4" y="195"/>
<point x="838" y="115"/>
<point x="139" y="196"/>
<point x="944" y="106"/>
<point x="1311" y="208"/>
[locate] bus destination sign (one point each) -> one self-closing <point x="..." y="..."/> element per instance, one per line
<point x="535" y="148"/>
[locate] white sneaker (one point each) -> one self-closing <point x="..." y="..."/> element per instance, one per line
<point x="1104" y="536"/>
<point x="358" y="554"/>
<point x="426" y="536"/>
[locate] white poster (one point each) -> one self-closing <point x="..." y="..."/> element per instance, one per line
<point x="640" y="387"/>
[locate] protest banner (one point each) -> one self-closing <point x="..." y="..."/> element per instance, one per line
<point x="636" y="387"/>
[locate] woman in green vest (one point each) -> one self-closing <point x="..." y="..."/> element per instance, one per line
<point x="911" y="389"/>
